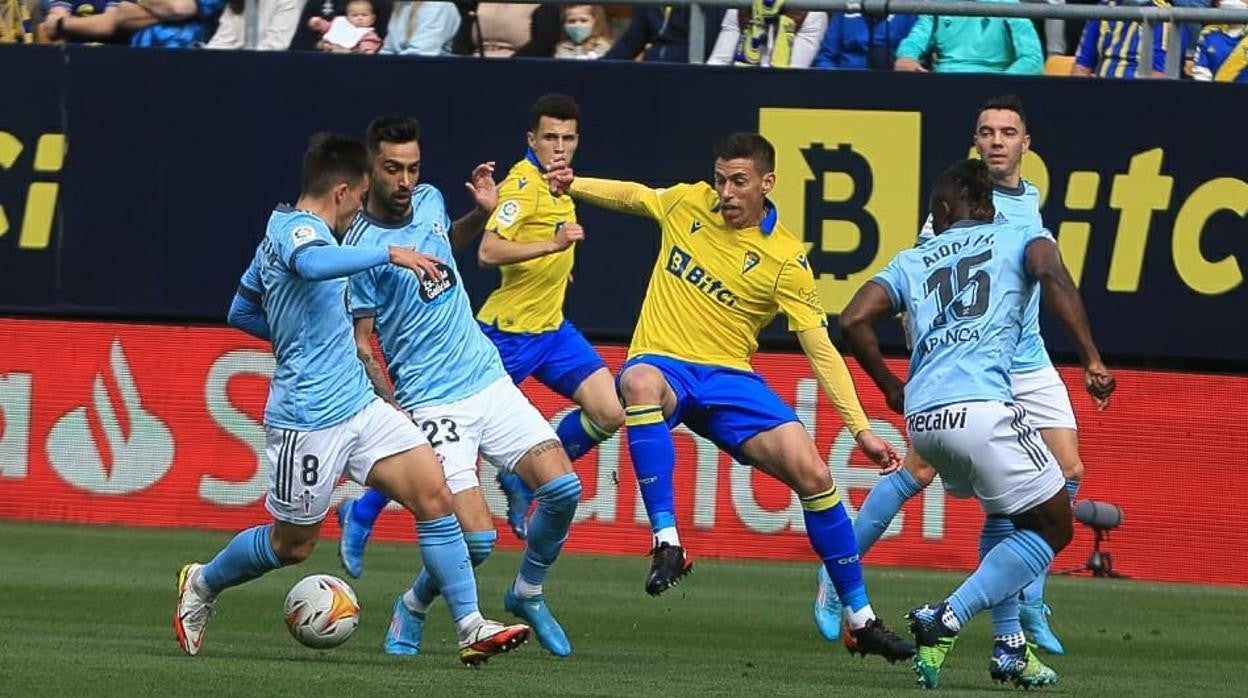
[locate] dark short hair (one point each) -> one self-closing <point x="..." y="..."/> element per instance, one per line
<point x="556" y="106"/>
<point x="966" y="181"/>
<point x="391" y="129"/>
<point x="745" y="144"/>
<point x="1006" y="103"/>
<point x="331" y="160"/>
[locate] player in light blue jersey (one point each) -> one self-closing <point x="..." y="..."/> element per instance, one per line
<point x="449" y="378"/>
<point x="964" y="292"/>
<point x="322" y="419"/>
<point x="1001" y="139"/>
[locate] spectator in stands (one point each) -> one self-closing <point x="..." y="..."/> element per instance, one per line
<point x="422" y="29"/>
<point x="15" y="23"/>
<point x="349" y="33"/>
<point x="662" y="34"/>
<point x="151" y="23"/>
<point x="307" y="40"/>
<point x="1111" y="48"/>
<point x="768" y="35"/>
<point x="277" y="22"/>
<point x="1222" y="50"/>
<point x="53" y="9"/>
<point x="972" y="45"/>
<point x="502" y="30"/>
<point x="855" y="41"/>
<point x="586" y="33"/>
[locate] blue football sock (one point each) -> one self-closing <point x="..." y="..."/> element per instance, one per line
<point x="480" y="545"/>
<point x="1034" y="592"/>
<point x="832" y="536"/>
<point x="654" y="457"/>
<point x="1005" y="570"/>
<point x="548" y="529"/>
<point x="1004" y="614"/>
<point x="443" y="548"/>
<point x="366" y="509"/>
<point x="247" y="556"/>
<point x="882" y="504"/>
<point x="579" y="434"/>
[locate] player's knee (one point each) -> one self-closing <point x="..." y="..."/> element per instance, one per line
<point x="430" y="504"/>
<point x="293" y="552"/>
<point x="1059" y="533"/>
<point x="640" y="387"/>
<point x="812" y="478"/>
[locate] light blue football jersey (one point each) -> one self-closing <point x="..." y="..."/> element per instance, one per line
<point x="1020" y="206"/>
<point x="964" y="293"/>
<point x="319" y="380"/>
<point x="435" y="351"/>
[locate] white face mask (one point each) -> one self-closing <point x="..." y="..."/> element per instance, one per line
<point x="1232" y="4"/>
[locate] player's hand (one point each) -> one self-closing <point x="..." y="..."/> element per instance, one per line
<point x="421" y="264"/>
<point x="482" y="188"/>
<point x="1100" y="384"/>
<point x="878" y="450"/>
<point x="909" y="65"/>
<point x="560" y="176"/>
<point x="566" y="234"/>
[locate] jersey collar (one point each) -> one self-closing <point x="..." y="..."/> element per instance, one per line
<point x="532" y="158"/>
<point x="770" y="218"/>
<point x="396" y="225"/>
<point x="1011" y="191"/>
<point x="966" y="223"/>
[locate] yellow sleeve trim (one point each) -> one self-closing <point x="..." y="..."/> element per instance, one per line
<point x="834" y="378"/>
<point x="628" y="197"/>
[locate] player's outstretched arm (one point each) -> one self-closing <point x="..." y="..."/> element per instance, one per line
<point x="247" y="314"/>
<point x="321" y="262"/>
<point x="364" y="349"/>
<point x="484" y="192"/>
<point x="868" y="306"/>
<point x="626" y="197"/>
<point x="496" y="250"/>
<point x="1044" y="263"/>
<point x="838" y="385"/>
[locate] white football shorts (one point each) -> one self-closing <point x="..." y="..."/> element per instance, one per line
<point x="305" y="466"/>
<point x="987" y="450"/>
<point x="499" y="423"/>
<point x="1045" y="398"/>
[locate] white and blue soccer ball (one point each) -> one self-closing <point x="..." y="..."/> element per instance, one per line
<point x="321" y="611"/>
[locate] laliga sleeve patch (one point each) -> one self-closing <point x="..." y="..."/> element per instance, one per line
<point x="303" y="234"/>
<point x="508" y="213"/>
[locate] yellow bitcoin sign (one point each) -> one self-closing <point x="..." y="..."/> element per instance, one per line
<point x="848" y="181"/>
<point x="40" y="210"/>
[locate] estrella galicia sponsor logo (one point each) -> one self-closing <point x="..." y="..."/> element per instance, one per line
<point x="431" y="290"/>
<point x="943" y="419"/>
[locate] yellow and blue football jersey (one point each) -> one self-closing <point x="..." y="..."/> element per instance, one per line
<point x="713" y="288"/>
<point x="1222" y="54"/>
<point x="530" y="297"/>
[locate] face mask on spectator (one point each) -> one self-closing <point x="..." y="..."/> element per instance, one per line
<point x="578" y="33"/>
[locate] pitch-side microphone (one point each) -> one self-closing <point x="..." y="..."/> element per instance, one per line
<point x="1099" y="515"/>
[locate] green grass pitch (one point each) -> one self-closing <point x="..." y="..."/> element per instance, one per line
<point x="86" y="611"/>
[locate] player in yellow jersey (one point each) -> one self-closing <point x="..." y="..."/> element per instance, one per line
<point x="531" y="238"/>
<point x="726" y="267"/>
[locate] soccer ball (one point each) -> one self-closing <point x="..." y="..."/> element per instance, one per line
<point x="321" y="611"/>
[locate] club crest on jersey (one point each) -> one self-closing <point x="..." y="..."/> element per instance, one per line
<point x="751" y="261"/>
<point x="439" y="229"/>
<point x="431" y="290"/>
<point x="302" y="234"/>
<point x="697" y="225"/>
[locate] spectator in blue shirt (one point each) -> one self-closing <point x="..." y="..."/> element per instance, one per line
<point x="151" y="23"/>
<point x="1111" y="48"/>
<point x="855" y="41"/>
<point x="662" y="33"/>
<point x="1222" y="50"/>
